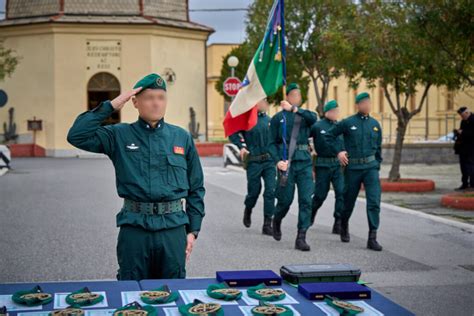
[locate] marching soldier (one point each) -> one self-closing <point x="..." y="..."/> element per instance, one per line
<point x="157" y="169"/>
<point x="253" y="145"/>
<point x="328" y="169"/>
<point x="290" y="129"/>
<point x="362" y="158"/>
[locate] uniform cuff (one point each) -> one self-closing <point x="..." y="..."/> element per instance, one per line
<point x="104" y="107"/>
<point x="194" y="224"/>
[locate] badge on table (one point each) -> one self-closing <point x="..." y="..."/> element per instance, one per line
<point x="135" y="309"/>
<point x="264" y="308"/>
<point x="222" y="291"/>
<point x="84" y="297"/>
<point x="263" y="293"/>
<point x="200" y="308"/>
<point x="161" y="295"/>
<point x="344" y="308"/>
<point x="33" y="297"/>
<point x="68" y="311"/>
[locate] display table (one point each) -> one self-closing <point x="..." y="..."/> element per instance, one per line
<point x="118" y="293"/>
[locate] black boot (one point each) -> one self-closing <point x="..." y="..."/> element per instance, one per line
<point x="345" y="237"/>
<point x="247" y="215"/>
<point x="276" y="227"/>
<point x="336" y="228"/>
<point x="300" y="243"/>
<point x="372" y="242"/>
<point x="267" y="226"/>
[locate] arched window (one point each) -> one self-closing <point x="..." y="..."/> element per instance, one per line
<point x="101" y="87"/>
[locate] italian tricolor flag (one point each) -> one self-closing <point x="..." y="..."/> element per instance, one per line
<point x="265" y="75"/>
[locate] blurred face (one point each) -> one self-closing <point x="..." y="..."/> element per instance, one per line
<point x="332" y="115"/>
<point x="262" y="106"/>
<point x="465" y="115"/>
<point x="151" y="104"/>
<point x="364" y="106"/>
<point x="294" y="97"/>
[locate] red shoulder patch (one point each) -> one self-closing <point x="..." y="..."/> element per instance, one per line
<point x="178" y="150"/>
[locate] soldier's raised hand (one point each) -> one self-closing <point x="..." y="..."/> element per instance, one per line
<point x="123" y="98"/>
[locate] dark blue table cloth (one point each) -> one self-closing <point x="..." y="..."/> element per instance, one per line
<point x="113" y="291"/>
<point x="305" y="307"/>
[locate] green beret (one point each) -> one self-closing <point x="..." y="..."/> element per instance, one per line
<point x="222" y="292"/>
<point x="330" y="105"/>
<point x="361" y="96"/>
<point x="33" y="297"/>
<point x="161" y="295"/>
<point x="197" y="307"/>
<point x="152" y="81"/>
<point x="292" y="86"/>
<point x="83" y="297"/>
<point x="263" y="293"/>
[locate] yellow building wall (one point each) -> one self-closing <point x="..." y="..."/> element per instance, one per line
<point x="53" y="76"/>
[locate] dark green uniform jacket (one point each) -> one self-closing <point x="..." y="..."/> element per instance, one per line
<point x="319" y="130"/>
<point x="276" y="129"/>
<point x="362" y="141"/>
<point x="256" y="141"/>
<point x="151" y="165"/>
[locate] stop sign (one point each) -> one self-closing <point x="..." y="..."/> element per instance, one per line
<point x="231" y="86"/>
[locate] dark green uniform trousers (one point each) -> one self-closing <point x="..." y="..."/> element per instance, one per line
<point x="255" y="172"/>
<point x="144" y="254"/>
<point x="353" y="179"/>
<point x="301" y="175"/>
<point x="324" y="177"/>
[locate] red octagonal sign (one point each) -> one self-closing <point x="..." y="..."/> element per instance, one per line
<point x="231" y="86"/>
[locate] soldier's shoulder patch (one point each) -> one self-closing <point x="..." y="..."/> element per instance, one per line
<point x="178" y="150"/>
<point x="376" y="128"/>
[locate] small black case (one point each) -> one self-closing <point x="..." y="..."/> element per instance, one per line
<point x="331" y="272"/>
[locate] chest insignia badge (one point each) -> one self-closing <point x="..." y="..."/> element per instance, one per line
<point x="132" y="146"/>
<point x="353" y="128"/>
<point x="323" y="132"/>
<point x="178" y="150"/>
<point x="376" y="129"/>
<point x="282" y="120"/>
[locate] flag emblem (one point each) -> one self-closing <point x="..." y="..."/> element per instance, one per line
<point x="178" y="150"/>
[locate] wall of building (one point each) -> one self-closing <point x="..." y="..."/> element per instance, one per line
<point x="55" y="69"/>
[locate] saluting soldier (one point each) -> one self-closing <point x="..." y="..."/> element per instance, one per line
<point x="253" y="145"/>
<point x="361" y="157"/>
<point x="328" y="170"/>
<point x="291" y="126"/>
<point x="159" y="176"/>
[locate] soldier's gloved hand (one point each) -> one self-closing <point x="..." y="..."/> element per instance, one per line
<point x="343" y="159"/>
<point x="285" y="105"/>
<point x="123" y="98"/>
<point x="282" y="165"/>
<point x="243" y="153"/>
<point x="189" y="246"/>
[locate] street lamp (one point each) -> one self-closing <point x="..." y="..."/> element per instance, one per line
<point x="232" y="61"/>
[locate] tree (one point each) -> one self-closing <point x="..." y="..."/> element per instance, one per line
<point x="315" y="41"/>
<point x="8" y="62"/>
<point x="390" y="50"/>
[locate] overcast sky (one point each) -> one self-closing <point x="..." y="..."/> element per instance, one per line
<point x="229" y="25"/>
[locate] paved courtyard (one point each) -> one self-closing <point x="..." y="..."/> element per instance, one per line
<point x="58" y="223"/>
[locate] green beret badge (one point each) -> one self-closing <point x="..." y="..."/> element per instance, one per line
<point x="135" y="309"/>
<point x="202" y="309"/>
<point x="263" y="293"/>
<point x="344" y="308"/>
<point x="68" y="311"/>
<point x="84" y="297"/>
<point x="222" y="291"/>
<point x="33" y="297"/>
<point x="264" y="309"/>
<point x="161" y="295"/>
